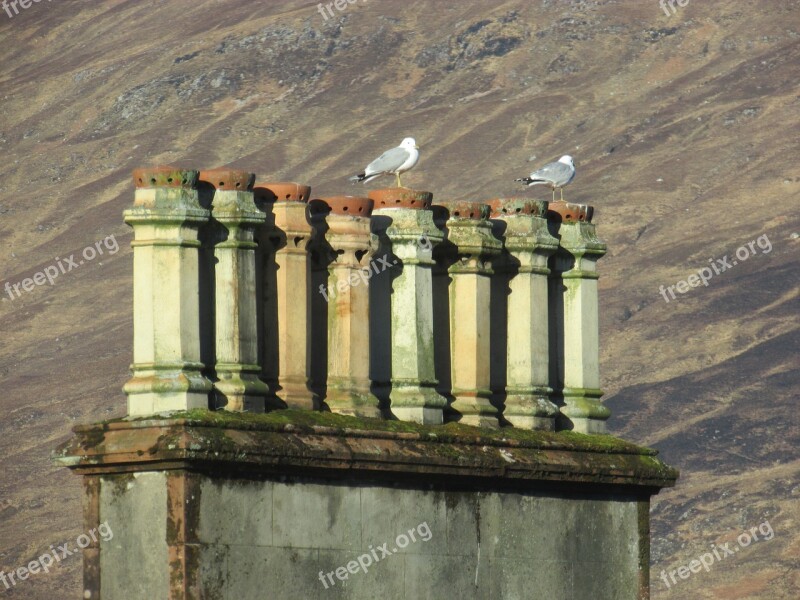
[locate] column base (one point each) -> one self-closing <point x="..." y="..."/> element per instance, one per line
<point x="423" y="416"/>
<point x="417" y="402"/>
<point x="240" y="392"/>
<point x="348" y="401"/>
<point x="529" y="411"/>
<point x="158" y="390"/>
<point x="581" y="425"/>
<point x="582" y="411"/>
<point x="531" y="423"/>
<point x="474" y="408"/>
<point x="291" y="394"/>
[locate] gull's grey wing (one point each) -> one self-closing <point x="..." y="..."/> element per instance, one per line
<point x="388" y="161"/>
<point x="555" y="172"/>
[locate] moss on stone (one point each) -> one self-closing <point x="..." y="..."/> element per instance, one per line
<point x="306" y="420"/>
<point x="119" y="483"/>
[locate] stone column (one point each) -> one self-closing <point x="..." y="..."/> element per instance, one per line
<point x="167" y="370"/>
<point x="235" y="219"/>
<point x="403" y="222"/>
<point x="470" y="234"/>
<point x="528" y="245"/>
<point x="574" y="296"/>
<point x="285" y="292"/>
<point x="347" y="297"/>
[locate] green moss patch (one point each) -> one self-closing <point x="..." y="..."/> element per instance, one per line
<point x="306" y="421"/>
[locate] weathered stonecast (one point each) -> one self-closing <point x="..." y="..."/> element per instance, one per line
<point x="166" y="217"/>
<point x="411" y="306"/>
<point x="470" y="246"/>
<point x="403" y="224"/>
<point x="575" y="326"/>
<point x="347" y="302"/>
<point x="235" y="217"/>
<point x="198" y="499"/>
<point x="522" y="276"/>
<point x="285" y="269"/>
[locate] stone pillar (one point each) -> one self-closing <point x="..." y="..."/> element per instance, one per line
<point x="235" y="219"/>
<point x="347" y="298"/>
<point x="574" y="295"/>
<point x="285" y="272"/>
<point x="472" y="245"/>
<point x="528" y="245"/>
<point x="403" y="222"/>
<point x="167" y="370"/>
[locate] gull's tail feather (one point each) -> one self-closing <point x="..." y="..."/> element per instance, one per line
<point x="528" y="181"/>
<point x="363" y="178"/>
<point x="358" y="178"/>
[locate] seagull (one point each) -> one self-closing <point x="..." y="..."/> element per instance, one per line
<point x="395" y="161"/>
<point x="554" y="174"/>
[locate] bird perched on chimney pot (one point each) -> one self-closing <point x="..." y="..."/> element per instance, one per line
<point x="554" y="174"/>
<point x="392" y="162"/>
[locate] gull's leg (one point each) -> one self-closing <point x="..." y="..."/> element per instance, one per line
<point x="561" y="190"/>
<point x="554" y="194"/>
<point x="399" y="182"/>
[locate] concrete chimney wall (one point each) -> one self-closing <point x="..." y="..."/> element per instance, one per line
<point x="534" y="368"/>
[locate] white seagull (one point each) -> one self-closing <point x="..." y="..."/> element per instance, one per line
<point x="392" y="162"/>
<point x="554" y="174"/>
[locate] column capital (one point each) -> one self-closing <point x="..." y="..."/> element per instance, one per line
<point x="577" y="235"/>
<point x="286" y="191"/>
<point x="574" y="225"/>
<point x="514" y="206"/>
<point x="165" y="176"/>
<point x="411" y="229"/>
<point x="401" y="198"/>
<point x="470" y="233"/>
<point x="287" y="225"/>
<point x="344" y="219"/>
<point x="522" y="226"/>
<point x="231" y="197"/>
<point x="166" y="195"/>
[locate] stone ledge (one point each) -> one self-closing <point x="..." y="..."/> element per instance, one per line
<point x="295" y="442"/>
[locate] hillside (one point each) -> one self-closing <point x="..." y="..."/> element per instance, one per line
<point x="684" y="129"/>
